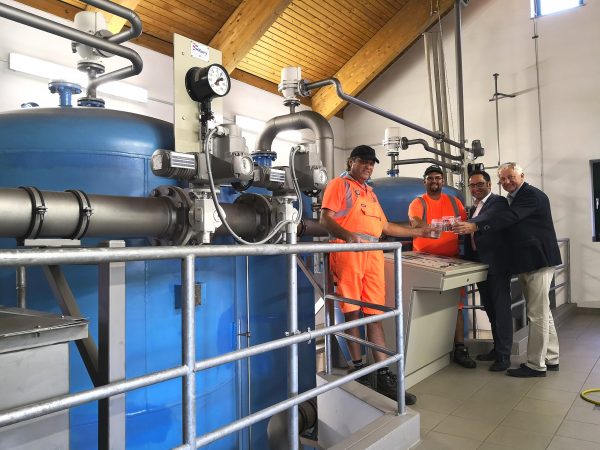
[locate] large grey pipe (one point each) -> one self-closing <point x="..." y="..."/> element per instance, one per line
<point x="28" y="213"/>
<point x="57" y="29"/>
<point x="278" y="425"/>
<point x="299" y="121"/>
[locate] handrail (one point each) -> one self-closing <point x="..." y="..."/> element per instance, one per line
<point x="565" y="266"/>
<point x="189" y="367"/>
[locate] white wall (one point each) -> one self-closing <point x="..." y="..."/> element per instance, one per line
<point x="497" y="37"/>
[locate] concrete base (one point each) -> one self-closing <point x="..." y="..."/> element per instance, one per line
<point x="356" y="417"/>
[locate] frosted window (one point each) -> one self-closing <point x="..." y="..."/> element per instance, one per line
<point x="543" y="7"/>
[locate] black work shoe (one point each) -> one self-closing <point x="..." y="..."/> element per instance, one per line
<point x="491" y="356"/>
<point x="501" y="364"/>
<point x="366" y="380"/>
<point x="461" y="356"/>
<point x="387" y="384"/>
<point x="552" y="367"/>
<point x="525" y="371"/>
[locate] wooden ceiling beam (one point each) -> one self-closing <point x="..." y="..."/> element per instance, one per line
<point x="397" y="35"/>
<point x="244" y="28"/>
<point x="114" y="23"/>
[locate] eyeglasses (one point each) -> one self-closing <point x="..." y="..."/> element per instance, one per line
<point x="438" y="178"/>
<point x="508" y="178"/>
<point x="477" y="185"/>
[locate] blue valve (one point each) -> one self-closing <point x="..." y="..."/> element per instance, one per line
<point x="64" y="90"/>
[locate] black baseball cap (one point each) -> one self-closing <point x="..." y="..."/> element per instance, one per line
<point x="364" y="152"/>
<point x="434" y="168"/>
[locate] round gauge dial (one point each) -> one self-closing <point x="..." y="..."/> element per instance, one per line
<point x="218" y="79"/>
<point x="205" y="83"/>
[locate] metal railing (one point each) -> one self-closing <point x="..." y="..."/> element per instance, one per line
<point x="564" y="269"/>
<point x="189" y="366"/>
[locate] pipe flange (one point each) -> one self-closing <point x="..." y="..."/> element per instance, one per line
<point x="85" y="213"/>
<point x="38" y="211"/>
<point x="263" y="208"/>
<point x="181" y="205"/>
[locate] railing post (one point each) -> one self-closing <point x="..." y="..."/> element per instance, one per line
<point x="293" y="431"/>
<point x="188" y="343"/>
<point x="111" y="350"/>
<point x="327" y="289"/>
<point x="399" y="328"/>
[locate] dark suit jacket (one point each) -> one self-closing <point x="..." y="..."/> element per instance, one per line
<point x="492" y="248"/>
<point x="532" y="239"/>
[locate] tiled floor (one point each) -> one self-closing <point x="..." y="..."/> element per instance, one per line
<point x="477" y="409"/>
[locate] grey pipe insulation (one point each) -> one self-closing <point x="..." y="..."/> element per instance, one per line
<point x="29" y="213"/>
<point x="277" y="428"/>
<point x="299" y="121"/>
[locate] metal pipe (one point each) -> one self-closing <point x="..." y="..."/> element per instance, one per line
<point x="61" y="215"/>
<point x="188" y="349"/>
<point x="427" y="160"/>
<point x="299" y="338"/>
<point x="292" y="418"/>
<point x="21" y="285"/>
<point x="459" y="71"/>
<point x="430" y="149"/>
<point x="72" y="34"/>
<point x="307" y="87"/>
<point x="129" y="15"/>
<point x="327" y="290"/>
<point x="248" y="342"/>
<point x="70" y="400"/>
<point x="282" y="406"/>
<point x="369" y="344"/>
<point x="299" y="121"/>
<point x="399" y="329"/>
<point x="43" y="257"/>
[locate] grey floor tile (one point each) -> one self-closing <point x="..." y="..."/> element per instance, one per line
<point x="542" y="392"/>
<point x="442" y="441"/>
<point x="532" y="421"/>
<point x="429" y="419"/>
<point x="519" y="439"/>
<point x="543" y="407"/>
<point x="467" y="428"/>
<point x="484" y="411"/>
<point x="579" y="430"/>
<point x="586" y="414"/>
<point x="438" y="404"/>
<point x="565" y="443"/>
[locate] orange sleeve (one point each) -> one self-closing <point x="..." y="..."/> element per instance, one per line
<point x="333" y="198"/>
<point x="415" y="209"/>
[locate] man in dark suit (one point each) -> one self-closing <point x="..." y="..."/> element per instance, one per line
<point x="491" y="248"/>
<point x="532" y="242"/>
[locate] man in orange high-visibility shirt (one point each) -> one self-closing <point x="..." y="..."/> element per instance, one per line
<point x="434" y="204"/>
<point x="351" y="213"/>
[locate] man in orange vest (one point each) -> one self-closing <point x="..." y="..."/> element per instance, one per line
<point x="434" y="204"/>
<point x="351" y="213"/>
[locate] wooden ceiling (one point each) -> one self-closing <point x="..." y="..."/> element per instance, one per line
<point x="352" y="40"/>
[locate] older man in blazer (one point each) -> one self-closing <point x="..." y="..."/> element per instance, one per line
<point x="535" y="253"/>
<point x="491" y="248"/>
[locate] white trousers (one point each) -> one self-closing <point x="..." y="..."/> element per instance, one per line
<point x="542" y="346"/>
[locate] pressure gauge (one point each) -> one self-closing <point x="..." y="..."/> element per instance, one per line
<point x="205" y="83"/>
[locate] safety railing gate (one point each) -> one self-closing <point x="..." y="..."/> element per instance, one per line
<point x="189" y="366"/>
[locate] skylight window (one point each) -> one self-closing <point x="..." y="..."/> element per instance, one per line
<point x="545" y="7"/>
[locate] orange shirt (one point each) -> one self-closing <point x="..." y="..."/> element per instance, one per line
<point x="447" y="244"/>
<point x="340" y="196"/>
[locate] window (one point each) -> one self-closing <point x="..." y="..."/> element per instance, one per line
<point x="544" y="7"/>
